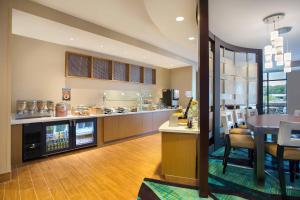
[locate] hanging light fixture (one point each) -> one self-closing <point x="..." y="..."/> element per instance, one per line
<point x="276" y="49"/>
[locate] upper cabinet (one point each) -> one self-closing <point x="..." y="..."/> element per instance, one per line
<point x="85" y="66"/>
<point x="136" y="74"/>
<point x="78" y="65"/>
<point x="121" y="71"/>
<point x="149" y="76"/>
<point x="102" y="69"/>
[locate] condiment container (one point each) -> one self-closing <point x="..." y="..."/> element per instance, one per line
<point x="31" y="106"/>
<point x="61" y="110"/>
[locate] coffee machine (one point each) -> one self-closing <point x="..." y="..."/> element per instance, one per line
<point x="170" y="97"/>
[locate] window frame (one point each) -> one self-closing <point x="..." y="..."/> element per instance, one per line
<point x="268" y="80"/>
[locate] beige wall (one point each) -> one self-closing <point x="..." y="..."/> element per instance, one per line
<point x="38" y="72"/>
<point x="181" y="79"/>
<point x="5" y="87"/>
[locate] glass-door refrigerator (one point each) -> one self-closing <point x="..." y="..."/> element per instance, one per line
<point x="85" y="131"/>
<point x="58" y="137"/>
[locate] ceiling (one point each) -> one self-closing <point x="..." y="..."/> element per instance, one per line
<point x="129" y="17"/>
<point x="238" y="22"/>
<point x="50" y="31"/>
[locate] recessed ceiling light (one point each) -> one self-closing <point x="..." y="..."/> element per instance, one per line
<point x="71" y="38"/>
<point x="191" y="38"/>
<point x="179" y="19"/>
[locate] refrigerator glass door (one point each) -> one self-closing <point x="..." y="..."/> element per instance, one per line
<point x="57" y="137"/>
<point x="85" y="132"/>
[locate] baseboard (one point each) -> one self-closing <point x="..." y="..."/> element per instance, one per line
<point x="181" y="180"/>
<point x="129" y="138"/>
<point x="5" y="177"/>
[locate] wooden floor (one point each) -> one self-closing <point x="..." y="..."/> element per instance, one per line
<point x="111" y="172"/>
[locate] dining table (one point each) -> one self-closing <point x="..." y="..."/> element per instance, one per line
<point x="262" y="125"/>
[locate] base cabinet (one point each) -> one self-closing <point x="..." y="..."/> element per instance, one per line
<point x="124" y="126"/>
<point x="179" y="156"/>
<point x="111" y="128"/>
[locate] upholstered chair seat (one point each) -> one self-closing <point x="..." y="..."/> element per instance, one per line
<point x="290" y="153"/>
<point x="241" y="141"/>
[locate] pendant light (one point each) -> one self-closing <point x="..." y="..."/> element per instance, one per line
<point x="276" y="48"/>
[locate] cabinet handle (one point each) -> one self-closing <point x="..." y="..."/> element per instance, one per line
<point x="74" y="123"/>
<point x="70" y="123"/>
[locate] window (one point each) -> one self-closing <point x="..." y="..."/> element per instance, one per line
<point x="274" y="90"/>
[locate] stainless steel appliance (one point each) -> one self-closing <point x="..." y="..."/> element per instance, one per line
<point x="170" y="97"/>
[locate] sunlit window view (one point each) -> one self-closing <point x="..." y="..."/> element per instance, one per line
<point x="274" y="90"/>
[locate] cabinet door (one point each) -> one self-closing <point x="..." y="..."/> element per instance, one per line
<point x="159" y="118"/>
<point x="126" y="128"/>
<point x="147" y="122"/>
<point x="130" y="125"/>
<point x="111" y="128"/>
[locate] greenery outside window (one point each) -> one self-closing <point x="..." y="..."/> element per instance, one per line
<point x="275" y="93"/>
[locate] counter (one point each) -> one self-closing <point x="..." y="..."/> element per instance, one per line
<point x="179" y="129"/>
<point x="179" y="153"/>
<point x="71" y="117"/>
<point x="111" y="128"/>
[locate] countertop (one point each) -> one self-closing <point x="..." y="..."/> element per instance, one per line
<point x="179" y="129"/>
<point x="71" y="117"/>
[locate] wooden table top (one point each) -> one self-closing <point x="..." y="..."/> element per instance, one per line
<point x="270" y="121"/>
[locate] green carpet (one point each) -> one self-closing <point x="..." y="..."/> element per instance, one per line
<point x="237" y="183"/>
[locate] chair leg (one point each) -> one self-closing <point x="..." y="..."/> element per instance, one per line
<point x="292" y="174"/>
<point x="251" y="157"/>
<point x="281" y="171"/>
<point x="297" y="169"/>
<point x="226" y="156"/>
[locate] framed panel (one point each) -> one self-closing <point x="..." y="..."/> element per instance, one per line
<point x="78" y="65"/>
<point x="102" y="69"/>
<point x="136" y="73"/>
<point x="147" y="75"/>
<point x="120" y="71"/>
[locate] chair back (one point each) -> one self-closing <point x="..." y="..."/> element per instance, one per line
<point x="239" y="116"/>
<point x="251" y="113"/>
<point x="285" y="137"/>
<point x="297" y="113"/>
<point x="227" y="120"/>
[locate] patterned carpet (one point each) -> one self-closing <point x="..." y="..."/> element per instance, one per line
<point x="237" y="183"/>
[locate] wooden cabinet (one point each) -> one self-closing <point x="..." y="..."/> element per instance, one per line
<point x="78" y="65"/>
<point x="159" y="118"/>
<point x="123" y="126"/>
<point x="111" y="128"/>
<point x="147" y="122"/>
<point x="128" y="125"/>
<point x="179" y="157"/>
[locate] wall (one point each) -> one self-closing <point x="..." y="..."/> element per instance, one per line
<point x="38" y="72"/>
<point x="181" y="79"/>
<point x="293" y="92"/>
<point x="5" y="88"/>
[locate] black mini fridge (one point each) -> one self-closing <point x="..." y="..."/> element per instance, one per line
<point x="44" y="139"/>
<point x="85" y="133"/>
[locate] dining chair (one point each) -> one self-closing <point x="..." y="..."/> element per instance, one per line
<point x="239" y="118"/>
<point x="287" y="148"/>
<point x="236" y="138"/>
<point x="251" y="113"/>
